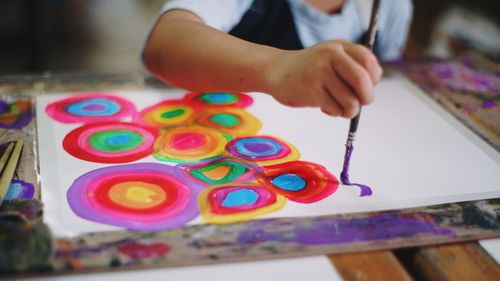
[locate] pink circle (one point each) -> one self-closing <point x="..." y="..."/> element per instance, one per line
<point x="188" y="141"/>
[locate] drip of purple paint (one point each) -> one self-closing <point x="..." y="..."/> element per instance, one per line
<point x="344" y="175"/>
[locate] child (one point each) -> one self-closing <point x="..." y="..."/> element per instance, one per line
<point x="298" y="51"/>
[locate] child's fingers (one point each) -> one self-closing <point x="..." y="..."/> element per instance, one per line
<point x="329" y="105"/>
<point x="366" y="59"/>
<point x="343" y="95"/>
<point x="354" y="75"/>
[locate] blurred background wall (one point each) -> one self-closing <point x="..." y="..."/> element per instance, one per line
<point x="106" y="36"/>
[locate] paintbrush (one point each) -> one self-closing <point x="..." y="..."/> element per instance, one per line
<point x="9" y="170"/>
<point x="353" y="126"/>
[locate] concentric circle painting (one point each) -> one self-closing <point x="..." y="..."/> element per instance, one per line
<point x="110" y="142"/>
<point x="89" y="108"/>
<point x="237" y="202"/>
<point x="168" y="113"/>
<point x="232" y="121"/>
<point x="189" y="144"/>
<point x="142" y="196"/>
<point x="299" y="181"/>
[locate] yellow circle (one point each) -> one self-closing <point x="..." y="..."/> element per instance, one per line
<point x="248" y="124"/>
<point x="154" y="117"/>
<point x="137" y="195"/>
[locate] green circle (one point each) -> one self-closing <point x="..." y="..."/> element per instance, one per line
<point x="235" y="170"/>
<point x="115" y="140"/>
<point x="172" y="113"/>
<point x="225" y="119"/>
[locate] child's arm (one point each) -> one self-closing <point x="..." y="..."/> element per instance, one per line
<point x="337" y="76"/>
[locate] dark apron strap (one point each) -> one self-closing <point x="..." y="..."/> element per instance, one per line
<point x="269" y="22"/>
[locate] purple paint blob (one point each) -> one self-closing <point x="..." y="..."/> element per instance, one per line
<point x="19" y="189"/>
<point x="376" y="228"/>
<point x="488" y="104"/>
<point x="257" y="147"/>
<point x="344" y="175"/>
<point x="94" y="107"/>
<point x="3" y="107"/>
<point x="339" y="231"/>
<point x="10" y="120"/>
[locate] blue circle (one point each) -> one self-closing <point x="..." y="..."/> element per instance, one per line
<point x="219" y="97"/>
<point x="290" y="182"/>
<point x="240" y="197"/>
<point x="102" y="107"/>
<point x="257" y="147"/>
<point x="120" y="139"/>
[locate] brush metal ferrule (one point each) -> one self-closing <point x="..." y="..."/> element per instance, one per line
<point x="350" y="138"/>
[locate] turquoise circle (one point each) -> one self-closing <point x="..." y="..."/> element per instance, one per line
<point x="290" y="182"/>
<point x="240" y="197"/>
<point x="94" y="107"/>
<point x="219" y="98"/>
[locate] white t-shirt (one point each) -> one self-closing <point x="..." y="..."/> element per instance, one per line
<point x="314" y="26"/>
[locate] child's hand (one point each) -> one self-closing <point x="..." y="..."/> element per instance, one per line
<point x="337" y="76"/>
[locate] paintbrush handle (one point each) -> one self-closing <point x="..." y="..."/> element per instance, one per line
<point x="5" y="156"/>
<point x="9" y="170"/>
<point x="372" y="27"/>
<point x="369" y="41"/>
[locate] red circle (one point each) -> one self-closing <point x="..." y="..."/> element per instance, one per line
<point x="102" y="193"/>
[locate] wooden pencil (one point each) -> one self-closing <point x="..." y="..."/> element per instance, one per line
<point x="9" y="170"/>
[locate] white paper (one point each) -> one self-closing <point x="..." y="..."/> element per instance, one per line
<point x="298" y="269"/>
<point x="492" y="246"/>
<point x="409" y="150"/>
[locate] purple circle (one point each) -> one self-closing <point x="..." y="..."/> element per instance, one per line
<point x="258" y="147"/>
<point x="94" y="107"/>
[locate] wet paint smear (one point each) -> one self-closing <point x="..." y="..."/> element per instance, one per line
<point x="110" y="142"/>
<point x="489" y="104"/>
<point x="344" y="175"/>
<point x="136" y="250"/>
<point x="327" y="231"/>
<point x="15" y="115"/>
<point x="89" y="108"/>
<point x="141" y="196"/>
<point x="463" y="78"/>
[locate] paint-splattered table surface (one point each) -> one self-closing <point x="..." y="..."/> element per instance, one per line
<point x="459" y="222"/>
